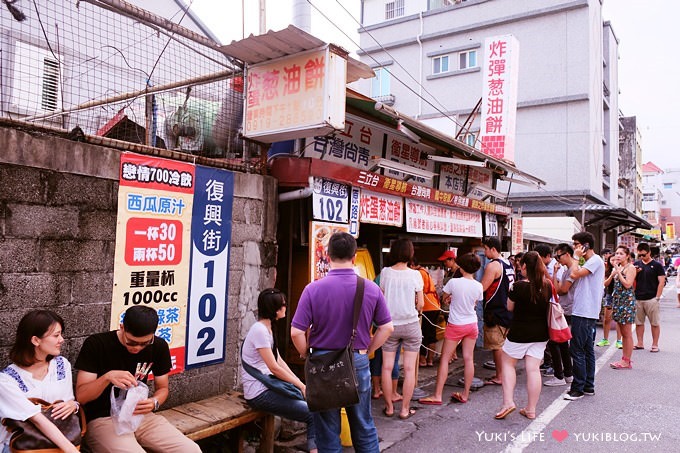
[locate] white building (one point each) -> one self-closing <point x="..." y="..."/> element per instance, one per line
<point x="651" y="193"/>
<point x="567" y="132"/>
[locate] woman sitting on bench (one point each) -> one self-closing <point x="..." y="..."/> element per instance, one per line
<point x="260" y="352"/>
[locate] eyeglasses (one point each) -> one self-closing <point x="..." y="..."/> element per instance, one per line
<point x="133" y="344"/>
<point x="642" y="255"/>
<point x="559" y="255"/>
<point x="577" y="243"/>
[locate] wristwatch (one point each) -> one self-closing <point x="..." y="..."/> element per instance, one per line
<point x="156" y="405"/>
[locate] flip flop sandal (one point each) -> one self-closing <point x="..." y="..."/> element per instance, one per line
<point x="504" y="413"/>
<point x="458" y="397"/>
<point x="492" y="382"/>
<point x="384" y="411"/>
<point x="530" y="415"/>
<point x="429" y="401"/>
<point x="654" y="349"/>
<point x="638" y="347"/>
<point x="411" y="412"/>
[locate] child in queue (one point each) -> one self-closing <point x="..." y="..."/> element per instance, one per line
<point x="464" y="293"/>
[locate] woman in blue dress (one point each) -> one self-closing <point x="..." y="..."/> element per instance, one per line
<point x="623" y="303"/>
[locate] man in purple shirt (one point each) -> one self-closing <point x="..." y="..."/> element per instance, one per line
<point x="327" y="306"/>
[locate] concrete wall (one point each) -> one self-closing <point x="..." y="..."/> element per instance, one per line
<point x="58" y="206"/>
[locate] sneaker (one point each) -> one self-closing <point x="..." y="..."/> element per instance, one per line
<point x="548" y="372"/>
<point x="573" y="395"/>
<point x="569" y="379"/>
<point x="602" y="342"/>
<point x="489" y="365"/>
<point x="619" y="344"/>
<point x="589" y="392"/>
<point x="544" y="366"/>
<point x="554" y="382"/>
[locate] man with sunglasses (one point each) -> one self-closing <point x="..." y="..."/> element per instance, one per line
<point x="649" y="283"/>
<point x="117" y="359"/>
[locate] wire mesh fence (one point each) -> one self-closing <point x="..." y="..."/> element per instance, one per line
<point x="117" y="71"/>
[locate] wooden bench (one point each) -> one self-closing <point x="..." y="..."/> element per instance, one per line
<point x="227" y="412"/>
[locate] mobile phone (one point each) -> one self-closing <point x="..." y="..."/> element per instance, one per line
<point x="586" y="247"/>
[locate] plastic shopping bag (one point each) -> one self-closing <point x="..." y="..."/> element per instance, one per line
<point x="124" y="405"/>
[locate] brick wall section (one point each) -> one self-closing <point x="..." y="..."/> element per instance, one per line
<point x="58" y="205"/>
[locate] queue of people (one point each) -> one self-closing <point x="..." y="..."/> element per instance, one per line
<point x="515" y="328"/>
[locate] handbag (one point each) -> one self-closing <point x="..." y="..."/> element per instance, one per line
<point x="27" y="438"/>
<point x="558" y="329"/>
<point x="330" y="377"/>
<point x="273" y="383"/>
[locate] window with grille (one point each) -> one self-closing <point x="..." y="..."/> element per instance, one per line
<point x="394" y="9"/>
<point x="36" y="80"/>
<point x="50" y="85"/>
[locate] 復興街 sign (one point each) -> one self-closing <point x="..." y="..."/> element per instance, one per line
<point x="172" y="253"/>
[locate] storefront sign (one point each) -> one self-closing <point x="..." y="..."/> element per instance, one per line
<point x="155" y="264"/>
<point x="357" y="146"/>
<point x="517" y="235"/>
<point x="330" y="200"/>
<point x="500" y="71"/>
<point x="303" y="168"/>
<point x="433" y="219"/>
<point x="296" y="96"/>
<point x="452" y="179"/>
<point x="403" y="151"/>
<point x="627" y="240"/>
<point x="354" y="208"/>
<point x="491" y="225"/>
<point x="209" y="278"/>
<point x="320" y="233"/>
<point x="153" y="236"/>
<point x="381" y="209"/>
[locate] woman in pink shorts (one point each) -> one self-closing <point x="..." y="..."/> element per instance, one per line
<point x="462" y="325"/>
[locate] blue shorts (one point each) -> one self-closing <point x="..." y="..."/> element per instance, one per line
<point x="607" y="300"/>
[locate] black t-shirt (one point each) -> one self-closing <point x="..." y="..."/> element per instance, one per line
<point x="529" y="320"/>
<point x="647" y="280"/>
<point x="103" y="352"/>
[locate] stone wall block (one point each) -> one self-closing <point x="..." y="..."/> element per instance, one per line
<point x="235" y="258"/>
<point x="243" y="233"/>
<point x="91" y="288"/>
<point x="270" y="213"/>
<point x="21" y="184"/>
<point x="85" y="320"/>
<point x="69" y="189"/>
<point x="36" y="221"/>
<point x="29" y="291"/>
<point x="75" y="256"/>
<point x="9" y="320"/>
<point x="248" y="186"/>
<point x="98" y="225"/>
<point x="19" y="255"/>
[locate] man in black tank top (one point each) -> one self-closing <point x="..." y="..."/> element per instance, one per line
<point x="498" y="276"/>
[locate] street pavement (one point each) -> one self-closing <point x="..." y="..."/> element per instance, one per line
<point x="632" y="410"/>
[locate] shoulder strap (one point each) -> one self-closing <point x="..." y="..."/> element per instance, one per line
<point x="358" y="301"/>
<point x="251" y="370"/>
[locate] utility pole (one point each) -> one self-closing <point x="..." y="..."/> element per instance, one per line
<point x="263" y="17"/>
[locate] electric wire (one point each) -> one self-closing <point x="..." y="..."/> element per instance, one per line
<point x="408" y="87"/>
